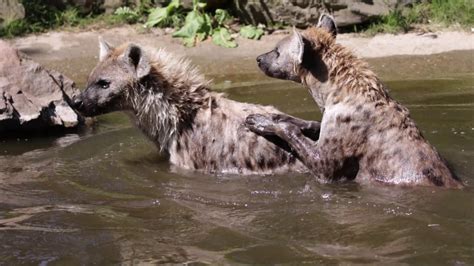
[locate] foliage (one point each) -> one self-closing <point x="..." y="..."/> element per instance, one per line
<point x="222" y="37"/>
<point x="15" y="28"/>
<point x="40" y="17"/>
<point x="393" y="22"/>
<point x="70" y="17"/>
<point x="199" y="25"/>
<point x="196" y="28"/>
<point x="164" y="16"/>
<point x="221" y="34"/>
<point x="453" y="11"/>
<point x="460" y="12"/>
<point x="126" y="14"/>
<point x="251" y="32"/>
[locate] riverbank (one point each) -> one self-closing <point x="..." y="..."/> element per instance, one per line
<point x="75" y="53"/>
<point x="381" y="45"/>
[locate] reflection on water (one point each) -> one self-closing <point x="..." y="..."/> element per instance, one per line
<point x="107" y="196"/>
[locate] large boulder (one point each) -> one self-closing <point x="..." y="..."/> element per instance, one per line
<point x="10" y="10"/>
<point x="303" y="13"/>
<point x="33" y="98"/>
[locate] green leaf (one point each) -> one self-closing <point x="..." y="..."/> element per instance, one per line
<point x="174" y="4"/>
<point x="197" y="27"/>
<point x="157" y="16"/>
<point x="251" y="32"/>
<point x="189" y="42"/>
<point x="125" y="14"/>
<point x="221" y="16"/>
<point x="192" y="24"/>
<point x="221" y="37"/>
<point x="162" y="15"/>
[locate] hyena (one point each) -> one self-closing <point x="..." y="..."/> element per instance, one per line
<point x="365" y="134"/>
<point x="172" y="104"/>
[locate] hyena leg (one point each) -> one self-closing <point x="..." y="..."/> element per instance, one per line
<point x="309" y="128"/>
<point x="323" y="162"/>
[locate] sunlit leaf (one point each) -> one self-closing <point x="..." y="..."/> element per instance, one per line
<point x="222" y="37"/>
<point x="251" y="32"/>
<point x="161" y="15"/>
<point x="221" y="16"/>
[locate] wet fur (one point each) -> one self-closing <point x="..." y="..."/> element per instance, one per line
<point x="365" y="134"/>
<point x="174" y="107"/>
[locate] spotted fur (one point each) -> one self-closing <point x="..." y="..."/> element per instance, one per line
<point x="172" y="104"/>
<point x="365" y="134"/>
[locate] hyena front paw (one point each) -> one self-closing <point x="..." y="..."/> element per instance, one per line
<point x="261" y="124"/>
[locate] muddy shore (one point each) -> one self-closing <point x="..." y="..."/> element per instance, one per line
<point x="75" y="53"/>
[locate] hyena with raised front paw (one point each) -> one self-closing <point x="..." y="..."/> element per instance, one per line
<point x="173" y="106"/>
<point x="365" y="134"/>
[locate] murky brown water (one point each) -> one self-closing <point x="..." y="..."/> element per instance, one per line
<point x="106" y="196"/>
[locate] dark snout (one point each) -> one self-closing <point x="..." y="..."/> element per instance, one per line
<point x="77" y="102"/>
<point x="262" y="62"/>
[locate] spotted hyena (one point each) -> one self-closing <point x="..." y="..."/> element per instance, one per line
<point x="173" y="106"/>
<point x="365" y="134"/>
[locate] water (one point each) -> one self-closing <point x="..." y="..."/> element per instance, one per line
<point x="106" y="196"/>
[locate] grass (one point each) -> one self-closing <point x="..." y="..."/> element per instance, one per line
<point x="453" y="11"/>
<point x="41" y="17"/>
<point x="442" y="12"/>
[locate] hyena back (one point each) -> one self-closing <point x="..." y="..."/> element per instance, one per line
<point x="365" y="134"/>
<point x="173" y="106"/>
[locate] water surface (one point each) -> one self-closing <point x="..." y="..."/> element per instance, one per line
<point x="105" y="195"/>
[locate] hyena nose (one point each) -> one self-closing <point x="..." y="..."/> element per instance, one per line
<point x="259" y="59"/>
<point x="76" y="101"/>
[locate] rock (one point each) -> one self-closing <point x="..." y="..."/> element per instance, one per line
<point x="10" y="10"/>
<point x="31" y="97"/>
<point x="303" y="13"/>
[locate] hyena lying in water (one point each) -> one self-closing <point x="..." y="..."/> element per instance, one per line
<point x="364" y="134"/>
<point x="174" y="107"/>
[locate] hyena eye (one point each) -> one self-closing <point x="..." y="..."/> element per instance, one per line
<point x="103" y="84"/>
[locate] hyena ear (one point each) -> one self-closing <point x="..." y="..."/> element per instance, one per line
<point x="327" y="23"/>
<point x="135" y="57"/>
<point x="296" y="46"/>
<point x="104" y="48"/>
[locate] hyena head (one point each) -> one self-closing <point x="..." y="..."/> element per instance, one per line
<point x="287" y="59"/>
<point x="119" y="70"/>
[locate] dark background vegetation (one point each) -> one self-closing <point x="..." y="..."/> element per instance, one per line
<point x="196" y="20"/>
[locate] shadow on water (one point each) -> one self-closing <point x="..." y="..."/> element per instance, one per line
<point x="106" y="196"/>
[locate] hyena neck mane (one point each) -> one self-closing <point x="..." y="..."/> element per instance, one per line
<point x="334" y="74"/>
<point x="165" y="102"/>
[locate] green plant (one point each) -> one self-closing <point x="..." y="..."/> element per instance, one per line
<point x="70" y="17"/>
<point x="221" y="34"/>
<point x="251" y="32"/>
<point x="126" y="14"/>
<point x="15" y="28"/>
<point x="164" y="16"/>
<point x="453" y="11"/>
<point x="199" y="25"/>
<point x="393" y="22"/>
<point x="460" y="12"/>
